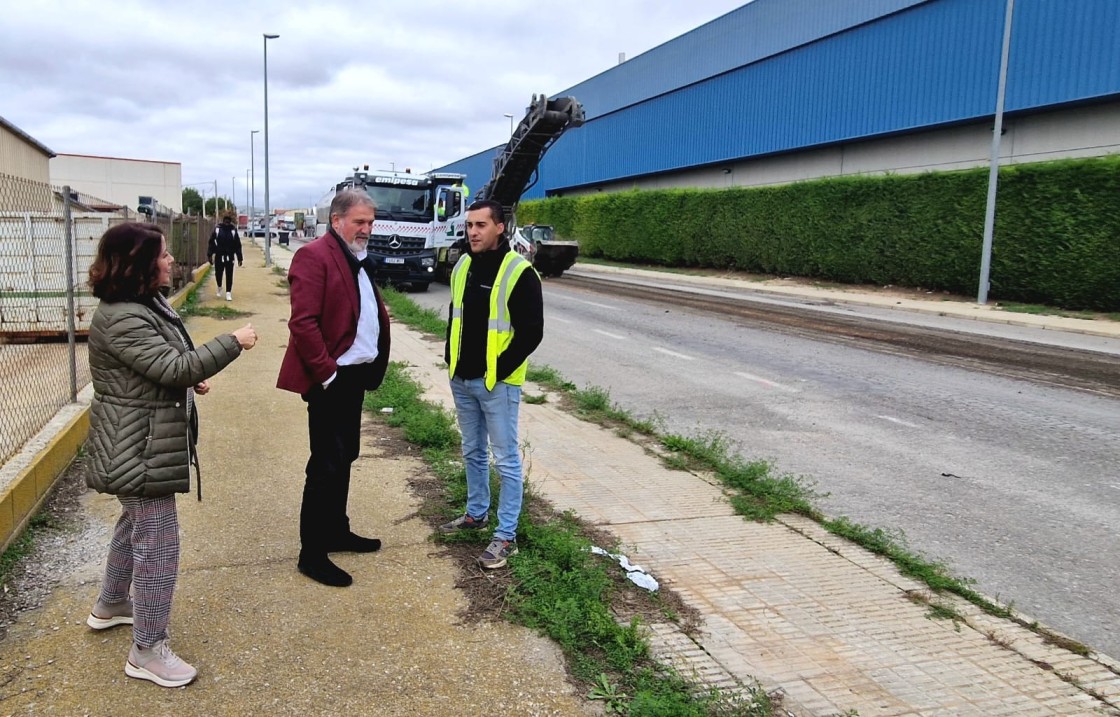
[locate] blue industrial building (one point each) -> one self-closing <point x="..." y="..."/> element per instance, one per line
<point x="784" y="90"/>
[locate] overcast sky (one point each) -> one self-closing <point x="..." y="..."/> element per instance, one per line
<point x="416" y="83"/>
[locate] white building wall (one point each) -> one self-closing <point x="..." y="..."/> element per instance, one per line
<point x="121" y="181"/>
<point x="1087" y="131"/>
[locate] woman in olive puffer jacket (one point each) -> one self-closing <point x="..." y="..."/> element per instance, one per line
<point x="146" y="372"/>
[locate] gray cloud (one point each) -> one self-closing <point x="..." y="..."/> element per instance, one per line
<point x="417" y="84"/>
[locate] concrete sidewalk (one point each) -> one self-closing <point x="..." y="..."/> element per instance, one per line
<point x="833" y="626"/>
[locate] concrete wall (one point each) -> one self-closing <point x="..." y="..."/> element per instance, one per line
<point x="20" y="158"/>
<point x="1088" y="131"/>
<point x="121" y="181"/>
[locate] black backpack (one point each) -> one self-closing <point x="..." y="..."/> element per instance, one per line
<point x="225" y="243"/>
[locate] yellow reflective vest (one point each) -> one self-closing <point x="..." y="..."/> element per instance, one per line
<point x="499" y="333"/>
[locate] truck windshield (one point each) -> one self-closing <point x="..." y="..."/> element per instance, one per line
<point x="402" y="203"/>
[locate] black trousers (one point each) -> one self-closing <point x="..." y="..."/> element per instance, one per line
<point x="334" y="420"/>
<point x="225" y="267"/>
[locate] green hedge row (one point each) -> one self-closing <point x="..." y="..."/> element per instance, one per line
<point x="1057" y="236"/>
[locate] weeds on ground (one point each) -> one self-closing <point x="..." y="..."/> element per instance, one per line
<point x="407" y="311"/>
<point x="1042" y="310"/>
<point x="20" y="548"/>
<point x="222" y="312"/>
<point x="557" y="586"/>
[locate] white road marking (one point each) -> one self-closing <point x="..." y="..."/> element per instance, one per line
<point x="765" y="381"/>
<point x="899" y="421"/>
<point x="557" y="318"/>
<point x="673" y="353"/>
<point x="592" y="303"/>
<point x="613" y="336"/>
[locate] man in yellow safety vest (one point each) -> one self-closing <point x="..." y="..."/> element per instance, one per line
<point x="495" y="321"/>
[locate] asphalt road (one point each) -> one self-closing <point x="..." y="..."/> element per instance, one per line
<point x="1010" y="481"/>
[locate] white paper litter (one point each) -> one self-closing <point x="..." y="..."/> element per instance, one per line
<point x="635" y="573"/>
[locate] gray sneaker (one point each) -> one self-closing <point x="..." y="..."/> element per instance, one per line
<point x="497" y="552"/>
<point x="105" y="615"/>
<point x="464" y="522"/>
<point x="160" y="665"/>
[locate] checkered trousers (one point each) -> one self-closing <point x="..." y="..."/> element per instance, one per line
<point x="144" y="554"/>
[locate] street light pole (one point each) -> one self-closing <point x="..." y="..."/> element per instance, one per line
<point x="267" y="211"/>
<point x="215" y="200"/>
<point x="248" y="223"/>
<point x="252" y="178"/>
<point x="993" y="164"/>
<point x="232" y="192"/>
<point x="510" y="123"/>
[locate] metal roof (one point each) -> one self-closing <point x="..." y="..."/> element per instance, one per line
<point x="26" y="137"/>
<point x="931" y="64"/>
<point x="751" y="33"/>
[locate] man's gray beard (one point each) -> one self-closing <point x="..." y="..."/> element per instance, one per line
<point x="358" y="246"/>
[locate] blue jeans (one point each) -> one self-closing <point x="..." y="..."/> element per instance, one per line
<point x="490" y="416"/>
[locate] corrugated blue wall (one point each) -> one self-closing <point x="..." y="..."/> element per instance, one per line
<point x="741" y="37"/>
<point x="935" y="63"/>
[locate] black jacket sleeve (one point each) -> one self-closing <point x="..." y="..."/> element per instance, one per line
<point x="526" y="314"/>
<point x="237" y="244"/>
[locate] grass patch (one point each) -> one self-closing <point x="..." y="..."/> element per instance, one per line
<point x="1042" y="310"/>
<point x="20" y="548"/>
<point x="409" y="312"/>
<point x="548" y="377"/>
<point x="557" y="586"/>
<point x="221" y="312"/>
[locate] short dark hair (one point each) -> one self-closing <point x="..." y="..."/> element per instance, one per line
<point x="497" y="212"/>
<point x="127" y="262"/>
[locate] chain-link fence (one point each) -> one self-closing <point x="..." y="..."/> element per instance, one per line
<point x="48" y="237"/>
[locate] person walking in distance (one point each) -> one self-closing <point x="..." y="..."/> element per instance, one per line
<point x="338" y="350"/>
<point x="495" y="321"/>
<point x="223" y="247"/>
<point x="143" y="427"/>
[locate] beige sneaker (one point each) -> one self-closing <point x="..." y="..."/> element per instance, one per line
<point x="104" y="615"/>
<point x="160" y="665"/>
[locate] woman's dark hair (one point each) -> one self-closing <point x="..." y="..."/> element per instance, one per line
<point x="127" y="262"/>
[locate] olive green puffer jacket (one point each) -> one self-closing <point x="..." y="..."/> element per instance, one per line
<point x="140" y="437"/>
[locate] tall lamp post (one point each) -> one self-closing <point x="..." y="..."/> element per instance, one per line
<point x="249" y="222"/>
<point x="510" y="123"/>
<point x="252" y="178"/>
<point x="993" y="164"/>
<point x="267" y="211"/>
<point x="232" y="192"/>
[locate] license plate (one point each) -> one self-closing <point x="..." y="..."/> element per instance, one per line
<point x="394" y="260"/>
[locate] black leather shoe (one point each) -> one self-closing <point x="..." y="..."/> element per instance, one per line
<point x="352" y="543"/>
<point x="322" y="570"/>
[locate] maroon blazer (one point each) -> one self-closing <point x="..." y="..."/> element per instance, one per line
<point x="324" y="318"/>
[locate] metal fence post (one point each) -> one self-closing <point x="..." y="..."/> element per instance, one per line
<point x="68" y="237"/>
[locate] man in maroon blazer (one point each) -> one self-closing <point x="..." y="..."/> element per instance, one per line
<point x="338" y="350"/>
